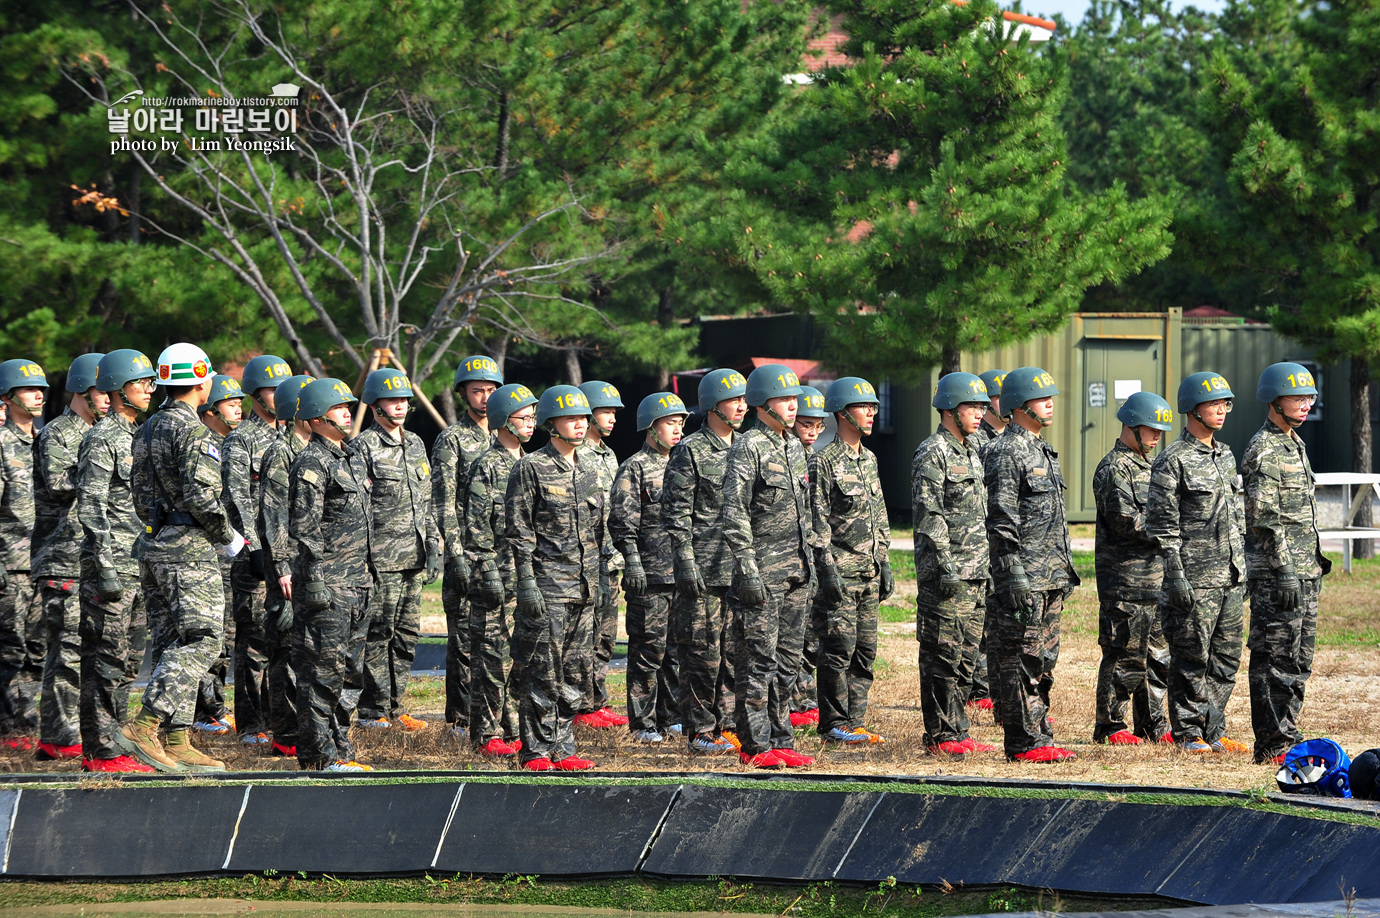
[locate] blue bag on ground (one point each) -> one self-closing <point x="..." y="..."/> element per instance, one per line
<point x="1317" y="767"/>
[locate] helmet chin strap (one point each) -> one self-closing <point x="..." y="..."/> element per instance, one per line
<point x="385" y="419"/>
<point x="1043" y="422"/>
<point x="551" y="429"/>
<point x="848" y="415"/>
<point x="1140" y="444"/>
<point x="723" y="417"/>
<point x="263" y="403"/>
<point x="508" y="426"/>
<point x="603" y="431"/>
<point x="91" y="403"/>
<point x="660" y="443"/>
<point x="1280" y="411"/>
<point x="779" y="419"/>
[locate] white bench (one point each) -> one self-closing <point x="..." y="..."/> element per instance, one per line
<point x="1365" y="487"/>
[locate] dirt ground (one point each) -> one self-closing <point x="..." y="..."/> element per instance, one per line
<point x="1343" y="702"/>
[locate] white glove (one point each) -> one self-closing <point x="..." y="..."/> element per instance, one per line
<point x="237" y="542"/>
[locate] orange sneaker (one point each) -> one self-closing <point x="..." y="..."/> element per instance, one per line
<point x="875" y="739"/>
<point x="410" y="723"/>
<point x="732" y="739"/>
<point x="1229" y="745"/>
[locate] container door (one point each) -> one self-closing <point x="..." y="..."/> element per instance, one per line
<point x="1113" y="369"/>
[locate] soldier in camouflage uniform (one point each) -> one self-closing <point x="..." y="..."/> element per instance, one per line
<point x="1135" y="657"/>
<point x="992" y="424"/>
<point x="176" y="487"/>
<point x="1194" y="516"/>
<point x="556" y="527"/>
<point x="279" y="553"/>
<point x="852" y="541"/>
<point x="512" y="412"/>
<point x="329" y="519"/>
<point x="221" y="414"/>
<point x="809" y="425"/>
<point x="691" y="501"/>
<point x="452" y="454"/>
<point x="1284" y="560"/>
<point x="241" y="463"/>
<point x="113" y="625"/>
<point x="405" y="543"/>
<point x="636" y="530"/>
<point x="1032" y="564"/>
<point x="56" y="555"/>
<point x="604" y="402"/>
<point x="766" y="523"/>
<point x="22" y="645"/>
<point x="949" y="510"/>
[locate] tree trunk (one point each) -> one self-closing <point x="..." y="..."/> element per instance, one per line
<point x="1361" y="460"/>
<point x="665" y="317"/>
<point x="135" y="174"/>
<point x="500" y="353"/>
<point x="948" y="360"/>
<point x="574" y="375"/>
<point x="501" y="147"/>
<point x="445" y="403"/>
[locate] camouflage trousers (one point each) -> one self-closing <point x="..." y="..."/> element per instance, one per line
<point x="605" y="636"/>
<point x="112" y="639"/>
<point x="653" y="680"/>
<point x="186" y="611"/>
<point x="492" y="713"/>
<point x="251" y="649"/>
<point x="210" y="695"/>
<point x="1281" y="646"/>
<point x="328" y="659"/>
<point x="1134" y="669"/>
<point x="767" y="641"/>
<point x="395" y="624"/>
<point x="1025" y="657"/>
<point x="986" y="644"/>
<point x="60" y="695"/>
<point x="979" y="687"/>
<point x="21" y="654"/>
<point x="457" y="653"/>
<point x="948" y="632"/>
<point x="282" y="680"/>
<point x="847" y="651"/>
<point x="1204" y="657"/>
<point x="704" y="655"/>
<point x="805" y="692"/>
<point x="552" y="657"/>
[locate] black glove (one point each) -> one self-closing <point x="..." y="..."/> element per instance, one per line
<point x="1022" y="597"/>
<point x="949" y="583"/>
<point x="316" y="596"/>
<point x="749" y="589"/>
<point x="605" y="595"/>
<point x="108" y="586"/>
<point x="1177" y="589"/>
<point x="830" y="583"/>
<point x="490" y="587"/>
<point x="458" y="572"/>
<point x="284" y="622"/>
<point x="256" y="564"/>
<point x="888" y="582"/>
<point x="432" y="565"/>
<point x="530" y="601"/>
<point x="634" y="577"/>
<point x="688" y="579"/>
<point x="1288" y="588"/>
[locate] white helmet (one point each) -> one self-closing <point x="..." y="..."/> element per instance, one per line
<point x="184" y="364"/>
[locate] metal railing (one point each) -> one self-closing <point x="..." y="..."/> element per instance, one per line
<point x="1364" y="487"/>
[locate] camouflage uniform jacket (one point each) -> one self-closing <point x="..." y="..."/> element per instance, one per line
<point x="1193" y="511"/>
<point x="486" y="539"/>
<point x="635" y="513"/>
<point x="57" y="532"/>
<point x="1026" y="522"/>
<point x="451" y="457"/>
<point x="606" y="464"/>
<point x="272" y="521"/>
<point x="852" y="533"/>
<point x="985" y="434"/>
<point x="241" y="465"/>
<point x="401" y="498"/>
<point x="329" y="515"/>
<point x="948" y="502"/>
<point x="766" y="513"/>
<point x="1281" y="509"/>
<point x="1128" y="561"/>
<point x="692" y="501"/>
<point x="177" y="468"/>
<point x="16" y="496"/>
<point x="557" y="524"/>
<point x="106" y="505"/>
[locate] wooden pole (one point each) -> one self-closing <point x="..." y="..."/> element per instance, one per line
<point x="379" y="355"/>
<point x="421" y="396"/>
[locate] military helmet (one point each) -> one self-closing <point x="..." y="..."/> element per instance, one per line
<point x="1285" y="379"/>
<point x="954" y="389"/>
<point x="993" y="379"/>
<point x="285" y="396"/>
<point x="478" y="368"/>
<point x="720" y="385"/>
<point x="506" y="402"/>
<point x="659" y="405"/>
<point x="264" y="372"/>
<point x="771" y="380"/>
<point x="849" y="390"/>
<point x="21" y="374"/>
<point x="385" y="382"/>
<point x="601" y="394"/>
<point x="81" y="375"/>
<point x="561" y="402"/>
<point x="810" y="404"/>
<point x="1023" y="385"/>
<point x="183" y="364"/>
<point x="1146" y="409"/>
<point x="1197" y="388"/>
<point x="224" y="388"/>
<point x="321" y="395"/>
<point x="122" y="366"/>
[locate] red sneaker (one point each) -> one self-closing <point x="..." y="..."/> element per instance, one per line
<point x="50" y="752"/>
<point x="19" y="743"/>
<point x="974" y="746"/>
<point x="1168" y="738"/>
<point x="800" y="719"/>
<point x="984" y="704"/>
<point x="541" y="764"/>
<point x="279" y="749"/>
<point x="515" y="743"/>
<point x="1123" y="738"/>
<point x="613" y="717"/>
<point x="761" y="760"/>
<point x="949" y="747"/>
<point x="792" y="759"/>
<point x="593" y="719"/>
<point x="121" y="764"/>
<point x="497" y="748"/>
<point x="574" y="763"/>
<point x="1279" y="759"/>
<point x="1044" y="754"/>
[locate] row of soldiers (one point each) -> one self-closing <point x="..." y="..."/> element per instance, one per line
<point x="1181" y="541"/>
